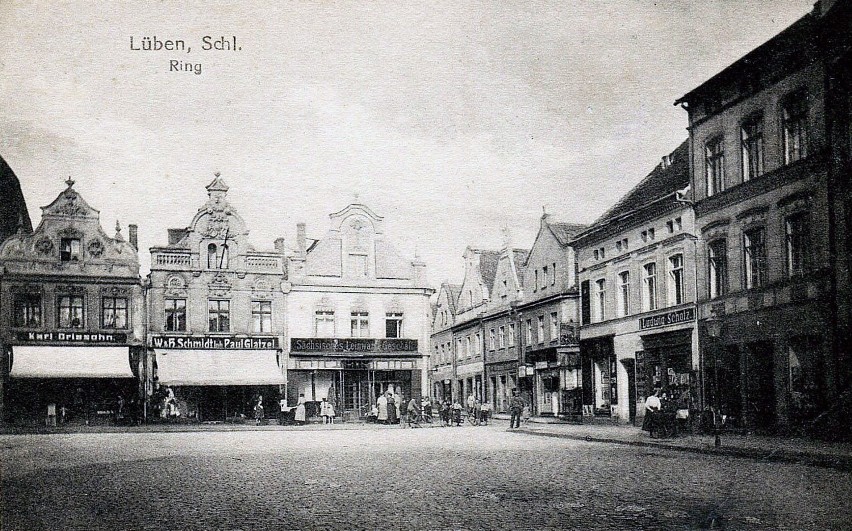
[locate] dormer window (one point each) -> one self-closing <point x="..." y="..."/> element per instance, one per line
<point x="69" y="249"/>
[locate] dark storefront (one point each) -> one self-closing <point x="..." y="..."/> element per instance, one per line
<point x="666" y="363"/>
<point x="599" y="376"/>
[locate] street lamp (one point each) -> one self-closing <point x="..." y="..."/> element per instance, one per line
<point x="713" y="325"/>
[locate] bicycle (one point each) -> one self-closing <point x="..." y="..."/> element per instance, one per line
<point x="419" y="420"/>
<point x="473" y="417"/>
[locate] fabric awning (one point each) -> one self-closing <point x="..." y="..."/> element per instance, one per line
<point x="218" y="367"/>
<point x="70" y="362"/>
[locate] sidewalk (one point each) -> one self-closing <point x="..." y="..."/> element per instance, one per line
<point x="779" y="449"/>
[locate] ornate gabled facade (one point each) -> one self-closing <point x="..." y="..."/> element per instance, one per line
<point x="359" y="316"/>
<point x="74" y="335"/>
<point x="217" y="316"/>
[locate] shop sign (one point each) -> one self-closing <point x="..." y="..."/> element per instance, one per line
<point x="214" y="342"/>
<point x="541" y="365"/>
<point x="356" y="365"/>
<point x="71" y="337"/>
<point x="522" y="371"/>
<point x="685" y="315"/>
<point x="320" y="344"/>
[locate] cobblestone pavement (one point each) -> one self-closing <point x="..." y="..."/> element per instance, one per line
<point x="439" y="478"/>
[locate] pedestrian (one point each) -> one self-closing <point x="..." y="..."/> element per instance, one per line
<point x="413" y="412"/>
<point x="51" y="414"/>
<point x="457" y="410"/>
<point x="382" y="406"/>
<point x="652" y="407"/>
<point x="63" y="414"/>
<point x="300" y="410"/>
<point x="283" y="410"/>
<point x="392" y="410"/>
<point x="258" y="411"/>
<point x="445" y="413"/>
<point x="516" y="406"/>
<point x="327" y="412"/>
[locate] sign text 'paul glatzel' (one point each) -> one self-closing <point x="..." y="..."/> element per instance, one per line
<point x="686" y="315"/>
<point x="215" y="342"/>
<point x="72" y="337"/>
<point x="326" y="344"/>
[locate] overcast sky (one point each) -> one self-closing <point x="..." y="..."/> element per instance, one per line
<point x="450" y="119"/>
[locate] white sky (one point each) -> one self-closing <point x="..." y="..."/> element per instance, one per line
<point x="451" y="119"/>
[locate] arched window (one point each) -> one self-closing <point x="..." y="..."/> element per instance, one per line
<point x="211" y="256"/>
<point x="223" y="262"/>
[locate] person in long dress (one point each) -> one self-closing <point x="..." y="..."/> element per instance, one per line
<point x="392" y="411"/>
<point x="382" y="404"/>
<point x="300" y="411"/>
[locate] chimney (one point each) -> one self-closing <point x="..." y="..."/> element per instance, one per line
<point x="301" y="239"/>
<point x="133" y="234"/>
<point x="279" y="245"/>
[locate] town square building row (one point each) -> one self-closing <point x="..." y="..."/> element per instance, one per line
<point x="217" y="325"/>
<point x="722" y="278"/>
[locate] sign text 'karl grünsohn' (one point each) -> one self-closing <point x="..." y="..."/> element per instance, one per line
<point x="686" y="315"/>
<point x="215" y="342"/>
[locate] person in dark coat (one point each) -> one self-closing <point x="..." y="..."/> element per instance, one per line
<point x="392" y="418"/>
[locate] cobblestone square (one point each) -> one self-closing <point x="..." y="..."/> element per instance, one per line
<point x="386" y="478"/>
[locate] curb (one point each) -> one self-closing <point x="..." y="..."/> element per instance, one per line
<point x="836" y="462"/>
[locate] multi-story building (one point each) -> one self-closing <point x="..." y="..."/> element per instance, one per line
<point x="500" y="328"/>
<point x="480" y="266"/>
<point x="547" y="322"/>
<point x="216" y="316"/>
<point x="359" y="316"/>
<point x="763" y="206"/>
<point x="637" y="281"/>
<point x="443" y="360"/>
<point x="71" y="333"/>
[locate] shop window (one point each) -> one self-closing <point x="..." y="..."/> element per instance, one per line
<point x="28" y="310"/>
<point x="649" y="287"/>
<point x="114" y="312"/>
<point x="714" y="164"/>
<point x="511" y="334"/>
<point x="219" y="315"/>
<point x="492" y="339"/>
<point x="175" y="315"/>
<point x="71" y="311"/>
<point x="69" y="249"/>
<point x="600" y="299"/>
<point x="796" y="229"/>
<point x="754" y="250"/>
<point x="261" y="316"/>
<point x="624" y="294"/>
<point x="359" y="324"/>
<point x="540" y="329"/>
<point x="212" y="262"/>
<point x="554" y="326"/>
<point x="393" y="325"/>
<point x="501" y="337"/>
<point x="717" y="252"/>
<point x="676" y="284"/>
<point x="752" y="147"/>
<point x="794" y="117"/>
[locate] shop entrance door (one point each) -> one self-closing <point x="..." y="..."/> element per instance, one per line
<point x="760" y="397"/>
<point x="630" y="367"/>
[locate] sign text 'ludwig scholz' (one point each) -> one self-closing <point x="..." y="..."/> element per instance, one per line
<point x="319" y="344"/>
<point x="71" y="337"/>
<point x="686" y="315"/>
<point x="215" y="342"/>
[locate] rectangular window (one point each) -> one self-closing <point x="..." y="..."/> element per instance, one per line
<point x="459" y="351"/>
<point x="752" y="143"/>
<point x="358" y="265"/>
<point x="28" y="310"/>
<point x="676" y="280"/>
<point x="511" y="334"/>
<point x="477" y="344"/>
<point x="501" y="337"/>
<point x="795" y="126"/>
<point x="624" y="293"/>
<point x="468" y="347"/>
<point x="618" y="246"/>
<point x="393" y="325"/>
<point x="324" y="323"/>
<point x="651" y="234"/>
<point x="714" y="164"/>
<point x="754" y="250"/>
<point x="69" y="249"/>
<point x="553" y="275"/>
<point x="717" y="253"/>
<point x="492" y="339"/>
<point x="649" y="287"/>
<point x="261" y="316"/>
<point x="554" y="326"/>
<point x="114" y="312"/>
<point x="544" y="277"/>
<point x="219" y="315"/>
<point x="596" y="254"/>
<point x="600" y="299"/>
<point x="585" y="302"/>
<point x="540" y="329"/>
<point x="535" y="285"/>
<point x="175" y="315"/>
<point x="359" y="324"/>
<point x="71" y="311"/>
<point x="529" y="332"/>
<point x="798" y="243"/>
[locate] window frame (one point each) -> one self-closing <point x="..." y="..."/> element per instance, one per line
<point x="755" y="257"/>
<point x="623" y="294"/>
<point x="512" y="332"/>
<point x="359" y="324"/>
<point x="59" y="307"/>
<point x="23" y="310"/>
<point x="540" y="330"/>
<point x="260" y="315"/>
<point x="804" y="244"/>
<point x="649" y="287"/>
<point x="717" y="274"/>
<point x="70" y="254"/>
<point x="175" y="313"/>
<point x="753" y="146"/>
<point x="714" y="165"/>
<point x="115" y="310"/>
<point x="600" y="299"/>
<point x="220" y="314"/>
<point x="799" y="118"/>
<point x="554" y="326"/>
<point x="397" y="318"/>
<point x="677" y="280"/>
